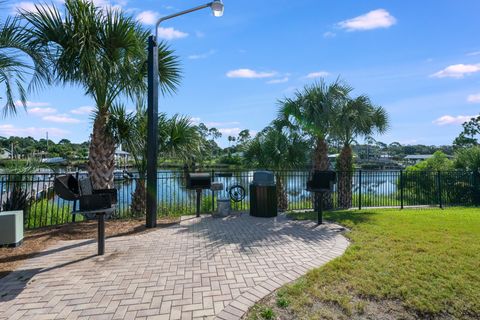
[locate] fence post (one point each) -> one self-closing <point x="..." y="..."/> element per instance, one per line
<point x="476" y="188"/>
<point x="401" y="189"/>
<point x="359" y="189"/>
<point x="439" y="189"/>
<point x="213" y="193"/>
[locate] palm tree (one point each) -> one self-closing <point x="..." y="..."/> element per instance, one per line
<point x="354" y="118"/>
<point x="177" y="138"/>
<point x="104" y="52"/>
<point x="14" y="70"/>
<point x="312" y="112"/>
<point x="279" y="148"/>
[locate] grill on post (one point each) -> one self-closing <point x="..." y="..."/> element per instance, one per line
<point x="93" y="202"/>
<point x="321" y="182"/>
<point x="199" y="182"/>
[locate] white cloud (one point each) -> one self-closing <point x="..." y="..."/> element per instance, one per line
<point x="32" y="104"/>
<point x="106" y="4"/>
<point x="202" y="55"/>
<point x="375" y="19"/>
<point x="210" y="124"/>
<point x="221" y="124"/>
<point x="61" y="119"/>
<point x="457" y="71"/>
<point x="281" y="80"/>
<point x="329" y="34"/>
<point x="474" y="53"/>
<point x="195" y="120"/>
<point x="249" y="74"/>
<point x="41" y="111"/>
<point x="24" y="6"/>
<point x="474" y="98"/>
<point x="171" y="33"/>
<point x="148" y="17"/>
<point x="36" y="108"/>
<point x="11" y="130"/>
<point x="318" y="74"/>
<point x="447" y="119"/>
<point x="230" y="131"/>
<point x="82" y="110"/>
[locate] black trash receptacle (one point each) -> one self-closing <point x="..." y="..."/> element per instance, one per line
<point x="263" y="195"/>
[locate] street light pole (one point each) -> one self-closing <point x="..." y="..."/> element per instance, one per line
<point x="152" y="110"/>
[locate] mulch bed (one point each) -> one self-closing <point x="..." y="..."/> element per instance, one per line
<point x="37" y="240"/>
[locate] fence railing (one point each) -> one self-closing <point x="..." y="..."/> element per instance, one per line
<point x="367" y="189"/>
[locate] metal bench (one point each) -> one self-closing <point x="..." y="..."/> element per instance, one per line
<point x="94" y="203"/>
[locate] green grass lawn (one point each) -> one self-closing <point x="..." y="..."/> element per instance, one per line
<point x="405" y="264"/>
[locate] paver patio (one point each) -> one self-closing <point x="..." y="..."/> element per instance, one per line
<point x="202" y="268"/>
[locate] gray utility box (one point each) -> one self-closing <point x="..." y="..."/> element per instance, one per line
<point x="11" y="228"/>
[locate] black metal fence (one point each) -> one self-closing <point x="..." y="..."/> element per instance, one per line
<point x="369" y="189"/>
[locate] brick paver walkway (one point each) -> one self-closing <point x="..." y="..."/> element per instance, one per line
<point x="200" y="269"/>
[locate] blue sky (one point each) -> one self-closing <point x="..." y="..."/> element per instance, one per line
<point x="418" y="59"/>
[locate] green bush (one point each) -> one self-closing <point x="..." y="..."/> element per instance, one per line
<point x="46" y="212"/>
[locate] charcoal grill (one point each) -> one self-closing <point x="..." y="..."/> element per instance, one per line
<point x="321" y="182"/>
<point x="199" y="182"/>
<point x="94" y="203"/>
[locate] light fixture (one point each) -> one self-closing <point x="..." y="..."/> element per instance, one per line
<point x="217" y="8"/>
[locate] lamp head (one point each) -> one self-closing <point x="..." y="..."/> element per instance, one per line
<point x="217" y="8"/>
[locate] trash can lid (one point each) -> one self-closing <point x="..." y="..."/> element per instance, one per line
<point x="263" y="178"/>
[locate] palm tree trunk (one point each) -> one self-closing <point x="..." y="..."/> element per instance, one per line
<point x="281" y="195"/>
<point x="101" y="158"/>
<point x="139" y="200"/>
<point x="345" y="166"/>
<point x="321" y="163"/>
<point x="320" y="155"/>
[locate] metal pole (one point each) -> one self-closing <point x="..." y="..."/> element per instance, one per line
<point x="152" y="135"/>
<point x="75" y="201"/>
<point x="319" y="207"/>
<point x="101" y="234"/>
<point x="199" y="196"/>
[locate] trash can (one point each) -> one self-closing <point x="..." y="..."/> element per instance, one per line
<point x="263" y="195"/>
<point x="223" y="207"/>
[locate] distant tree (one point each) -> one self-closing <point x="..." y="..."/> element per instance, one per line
<point x="243" y="136"/>
<point x="214" y="133"/>
<point x="468" y="159"/>
<point x="470" y="134"/>
<point x="231" y="139"/>
<point x="439" y="162"/>
<point x="64" y="141"/>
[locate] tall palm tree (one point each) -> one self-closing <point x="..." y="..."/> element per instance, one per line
<point x="354" y="118"/>
<point x="279" y="148"/>
<point x="312" y="111"/>
<point x="177" y="137"/>
<point x="105" y="52"/>
<point x="15" y="72"/>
